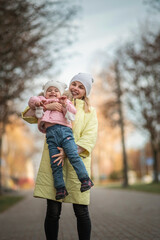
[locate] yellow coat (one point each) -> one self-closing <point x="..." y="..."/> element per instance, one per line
<point x="85" y="132"/>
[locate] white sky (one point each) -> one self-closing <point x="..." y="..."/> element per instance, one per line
<point x="102" y="24"/>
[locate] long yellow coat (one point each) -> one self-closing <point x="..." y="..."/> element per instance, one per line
<point x="85" y="132"/>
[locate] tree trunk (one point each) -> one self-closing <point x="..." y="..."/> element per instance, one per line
<point x="1" y="133"/>
<point x="155" y="163"/>
<point x="2" y="130"/>
<point x="125" y="167"/>
<point x="121" y="123"/>
<point x="0" y="165"/>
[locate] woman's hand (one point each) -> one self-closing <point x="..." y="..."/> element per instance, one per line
<point x="60" y="156"/>
<point x="55" y="106"/>
<point x="80" y="149"/>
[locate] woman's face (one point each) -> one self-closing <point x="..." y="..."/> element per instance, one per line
<point x="77" y="90"/>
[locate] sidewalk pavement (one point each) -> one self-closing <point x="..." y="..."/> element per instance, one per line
<point x="115" y="214"/>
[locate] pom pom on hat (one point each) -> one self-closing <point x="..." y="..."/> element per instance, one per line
<point x="61" y="86"/>
<point x="86" y="79"/>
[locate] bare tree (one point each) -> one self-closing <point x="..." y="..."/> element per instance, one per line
<point x="142" y="72"/>
<point x="33" y="36"/>
<point x="113" y="107"/>
<point x="154" y="4"/>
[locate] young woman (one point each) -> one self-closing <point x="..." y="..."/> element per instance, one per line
<point x="85" y="132"/>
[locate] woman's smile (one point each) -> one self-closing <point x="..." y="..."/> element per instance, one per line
<point x="77" y="89"/>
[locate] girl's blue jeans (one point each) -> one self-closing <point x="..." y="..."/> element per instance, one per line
<point x="62" y="136"/>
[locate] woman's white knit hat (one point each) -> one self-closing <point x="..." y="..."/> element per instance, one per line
<point x="61" y="86"/>
<point x="86" y="79"/>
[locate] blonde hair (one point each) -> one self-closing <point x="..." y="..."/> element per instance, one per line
<point x="85" y="99"/>
<point x="87" y="105"/>
<point x="68" y="94"/>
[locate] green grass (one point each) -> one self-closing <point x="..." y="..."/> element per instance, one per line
<point x="150" y="188"/>
<point x="8" y="201"/>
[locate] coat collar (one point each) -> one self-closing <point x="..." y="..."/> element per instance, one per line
<point x="78" y="103"/>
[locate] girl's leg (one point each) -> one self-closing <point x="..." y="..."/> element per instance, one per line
<point x="53" y="142"/>
<point x="51" y="223"/>
<point x="71" y="151"/>
<point x="83" y="221"/>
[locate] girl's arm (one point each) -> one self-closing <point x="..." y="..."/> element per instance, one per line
<point x="35" y="101"/>
<point x="69" y="110"/>
<point x="55" y="106"/>
<point x="70" y="107"/>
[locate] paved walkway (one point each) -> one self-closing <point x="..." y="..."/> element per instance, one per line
<point x="116" y="215"/>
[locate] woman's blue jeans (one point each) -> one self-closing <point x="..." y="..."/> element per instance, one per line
<point x="62" y="136"/>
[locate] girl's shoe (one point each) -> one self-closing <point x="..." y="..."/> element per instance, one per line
<point x="86" y="185"/>
<point x="61" y="193"/>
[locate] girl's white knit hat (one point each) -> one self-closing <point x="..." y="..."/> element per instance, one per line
<point x="61" y="86"/>
<point x="86" y="79"/>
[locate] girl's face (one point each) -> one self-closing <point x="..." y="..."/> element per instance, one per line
<point x="77" y="90"/>
<point x="52" y="92"/>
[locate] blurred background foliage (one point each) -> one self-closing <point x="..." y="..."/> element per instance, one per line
<point x="34" y="39"/>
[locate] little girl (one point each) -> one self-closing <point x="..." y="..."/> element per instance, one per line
<point x="58" y="129"/>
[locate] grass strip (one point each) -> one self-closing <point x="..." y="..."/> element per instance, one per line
<point x="8" y="201"/>
<point x="150" y="188"/>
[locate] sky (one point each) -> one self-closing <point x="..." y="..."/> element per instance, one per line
<point x="102" y="24"/>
